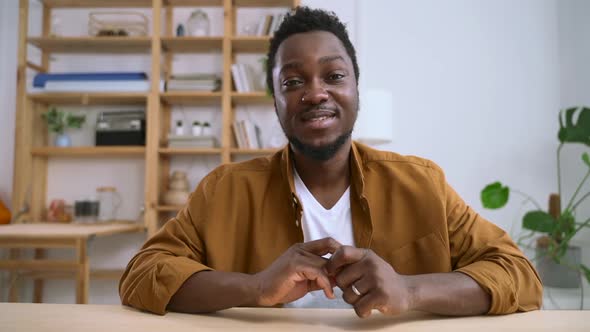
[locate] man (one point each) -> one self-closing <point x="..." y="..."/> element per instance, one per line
<point x="258" y="233"/>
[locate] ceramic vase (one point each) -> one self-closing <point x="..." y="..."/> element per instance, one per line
<point x="63" y="140"/>
<point x="177" y="193"/>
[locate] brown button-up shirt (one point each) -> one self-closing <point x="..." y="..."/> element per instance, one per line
<point x="243" y="216"/>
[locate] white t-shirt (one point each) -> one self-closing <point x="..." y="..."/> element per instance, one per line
<point x="318" y="223"/>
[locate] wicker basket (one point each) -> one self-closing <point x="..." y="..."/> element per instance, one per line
<point x="117" y="24"/>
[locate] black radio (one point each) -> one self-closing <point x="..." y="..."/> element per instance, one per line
<point x="120" y="128"/>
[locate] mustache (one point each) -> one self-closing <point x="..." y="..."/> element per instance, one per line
<point x="321" y="107"/>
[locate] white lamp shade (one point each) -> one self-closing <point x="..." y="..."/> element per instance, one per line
<point x="374" y="125"/>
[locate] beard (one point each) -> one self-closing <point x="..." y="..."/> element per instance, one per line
<point x="321" y="153"/>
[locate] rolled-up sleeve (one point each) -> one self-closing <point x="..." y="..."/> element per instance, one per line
<point x="167" y="259"/>
<point x="488" y="255"/>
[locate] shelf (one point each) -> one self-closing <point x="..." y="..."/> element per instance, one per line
<point x="169" y="208"/>
<point x="189" y="151"/>
<point x="90" y="98"/>
<point x="236" y="151"/>
<point x="192" y="44"/>
<point x="248" y="44"/>
<point x="194" y="3"/>
<point x="97" y="3"/>
<point x="148" y="3"/>
<point x="93" y="45"/>
<point x="89" y="151"/>
<point x="191" y="98"/>
<point x="251" y="98"/>
<point x="263" y="3"/>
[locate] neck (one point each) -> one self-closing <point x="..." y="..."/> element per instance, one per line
<point x="334" y="172"/>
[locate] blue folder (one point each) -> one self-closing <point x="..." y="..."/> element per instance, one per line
<point x="41" y="78"/>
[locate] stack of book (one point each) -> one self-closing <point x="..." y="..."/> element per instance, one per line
<point x="188" y="141"/>
<point x="92" y="82"/>
<point x="244" y="78"/>
<point x="269" y="24"/>
<point x="247" y="134"/>
<point x="194" y="82"/>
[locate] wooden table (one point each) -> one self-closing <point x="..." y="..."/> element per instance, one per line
<point x="43" y="236"/>
<point x="17" y="317"/>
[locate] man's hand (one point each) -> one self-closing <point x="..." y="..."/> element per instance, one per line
<point x="368" y="282"/>
<point x="296" y="272"/>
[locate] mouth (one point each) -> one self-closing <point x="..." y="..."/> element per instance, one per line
<point x="319" y="119"/>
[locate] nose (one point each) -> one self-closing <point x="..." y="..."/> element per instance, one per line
<point x="316" y="94"/>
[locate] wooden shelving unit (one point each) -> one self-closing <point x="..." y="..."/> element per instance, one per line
<point x="264" y="3"/>
<point x="33" y="150"/>
<point x="191" y="98"/>
<point x="189" y="151"/>
<point x="86" y="99"/>
<point x="32" y="153"/>
<point x="247" y="44"/>
<point x="192" y="44"/>
<point x="256" y="152"/>
<point x="92" y="45"/>
<point x="251" y="98"/>
<point x="90" y="151"/>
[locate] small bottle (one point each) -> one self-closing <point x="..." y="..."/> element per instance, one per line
<point x="206" y="129"/>
<point x="197" y="128"/>
<point x="180" y="30"/>
<point x="179" y="130"/>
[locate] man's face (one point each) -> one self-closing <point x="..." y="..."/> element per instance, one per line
<point x="316" y="96"/>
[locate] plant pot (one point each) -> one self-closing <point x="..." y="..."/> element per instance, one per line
<point x="562" y="275"/>
<point x="63" y="140"/>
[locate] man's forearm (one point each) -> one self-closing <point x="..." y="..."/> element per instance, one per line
<point x="453" y="293"/>
<point x="209" y="291"/>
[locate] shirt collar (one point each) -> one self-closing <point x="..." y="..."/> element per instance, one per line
<point x="356" y="170"/>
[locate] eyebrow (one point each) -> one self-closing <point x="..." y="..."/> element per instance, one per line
<point x="322" y="60"/>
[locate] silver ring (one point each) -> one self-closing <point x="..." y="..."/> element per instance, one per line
<point x="355" y="290"/>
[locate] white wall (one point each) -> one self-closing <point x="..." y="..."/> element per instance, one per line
<point x="476" y="88"/>
<point x="574" y="45"/>
<point x="8" y="52"/>
<point x="574" y="48"/>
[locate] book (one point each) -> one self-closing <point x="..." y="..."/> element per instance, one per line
<point x="237" y="135"/>
<point x="251" y="136"/>
<point x="276" y="22"/>
<point x="187" y="141"/>
<point x="243" y="77"/>
<point x="235" y="73"/>
<point x="41" y="79"/>
<point x="179" y="85"/>
<point x="97" y="86"/>
<point x="268" y="24"/>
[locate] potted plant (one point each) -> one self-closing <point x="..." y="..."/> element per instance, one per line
<point x="558" y="263"/>
<point x="58" y="121"/>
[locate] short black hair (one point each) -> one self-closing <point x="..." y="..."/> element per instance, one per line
<point x="304" y="19"/>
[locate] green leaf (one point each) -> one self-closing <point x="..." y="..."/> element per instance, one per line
<point x="494" y="195"/>
<point x="539" y="221"/>
<point x="586" y="271"/>
<point x="578" y="132"/>
<point x="74" y="121"/>
<point x="586" y="158"/>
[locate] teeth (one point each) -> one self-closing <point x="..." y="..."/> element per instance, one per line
<point x="321" y="118"/>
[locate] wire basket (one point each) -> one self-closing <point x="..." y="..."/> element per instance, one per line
<point x="117" y="24"/>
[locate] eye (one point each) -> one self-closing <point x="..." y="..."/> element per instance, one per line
<point x="292" y="82"/>
<point x="335" y="77"/>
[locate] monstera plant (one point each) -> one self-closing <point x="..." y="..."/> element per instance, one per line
<point x="558" y="225"/>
